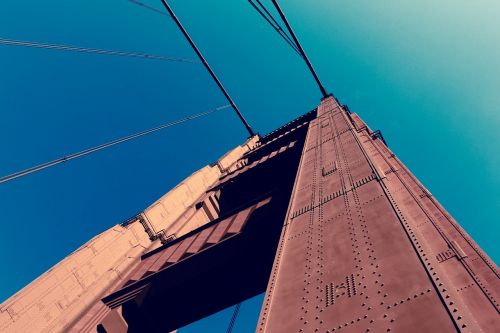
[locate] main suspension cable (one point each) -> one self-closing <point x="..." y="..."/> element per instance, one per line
<point x="207" y="66"/>
<point x="71" y="48"/>
<point x="266" y="15"/>
<point x="88" y="151"/>
<point x="304" y="55"/>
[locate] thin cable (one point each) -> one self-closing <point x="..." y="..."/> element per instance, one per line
<point x="207" y="66"/>
<point x="276" y="27"/>
<point x="60" y="47"/>
<point x="142" y="4"/>
<point x="304" y="56"/>
<point x="277" y="24"/>
<point x="233" y="318"/>
<point x="88" y="151"/>
<point x="271" y="16"/>
<point x="279" y="27"/>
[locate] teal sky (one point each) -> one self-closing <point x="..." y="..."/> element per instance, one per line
<point x="427" y="73"/>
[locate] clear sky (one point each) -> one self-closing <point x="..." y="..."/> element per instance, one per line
<point x="427" y="73"/>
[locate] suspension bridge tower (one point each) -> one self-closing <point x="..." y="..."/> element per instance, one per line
<point x="319" y="214"/>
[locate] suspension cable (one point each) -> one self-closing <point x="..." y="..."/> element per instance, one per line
<point x="142" y="4"/>
<point x="277" y="24"/>
<point x="268" y="17"/>
<point x="233" y="318"/>
<point x="304" y="55"/>
<point x="88" y="151"/>
<point x="207" y="66"/>
<point x="61" y="47"/>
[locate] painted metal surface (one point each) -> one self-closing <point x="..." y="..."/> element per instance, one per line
<point x="185" y="247"/>
<point x="201" y="273"/>
<point x="245" y="167"/>
<point x="366" y="248"/>
<point x="229" y="259"/>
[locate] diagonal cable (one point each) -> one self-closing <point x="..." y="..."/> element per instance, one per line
<point x="71" y="48"/>
<point x="207" y="66"/>
<point x="275" y="25"/>
<point x="233" y="318"/>
<point x="88" y="151"/>
<point x="144" y="5"/>
<point x="304" y="55"/>
<point x="283" y="32"/>
<point x="263" y="11"/>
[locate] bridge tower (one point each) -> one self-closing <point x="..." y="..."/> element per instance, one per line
<point x="318" y="214"/>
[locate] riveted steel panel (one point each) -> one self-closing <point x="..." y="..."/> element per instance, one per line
<point x="365" y="248"/>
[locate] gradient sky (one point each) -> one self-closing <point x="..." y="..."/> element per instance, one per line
<point x="427" y="73"/>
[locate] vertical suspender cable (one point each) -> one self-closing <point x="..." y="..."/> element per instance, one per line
<point x="207" y="66"/>
<point x="306" y="59"/>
